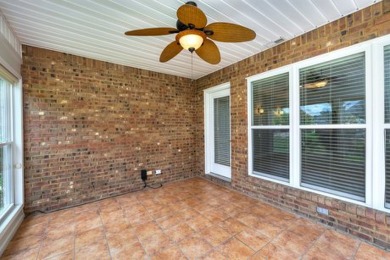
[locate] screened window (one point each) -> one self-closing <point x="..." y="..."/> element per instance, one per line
<point x="333" y="135"/>
<point x="270" y="127"/>
<point x="387" y="123"/>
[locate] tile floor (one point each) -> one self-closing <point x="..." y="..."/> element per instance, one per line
<point x="183" y="220"/>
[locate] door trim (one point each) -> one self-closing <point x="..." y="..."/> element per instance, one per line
<point x="208" y="122"/>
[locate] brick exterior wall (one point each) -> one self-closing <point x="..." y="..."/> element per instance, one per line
<point x="91" y="126"/>
<point x="366" y="223"/>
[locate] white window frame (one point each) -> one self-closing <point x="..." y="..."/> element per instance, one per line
<point x="252" y="127"/>
<point x="374" y="126"/>
<point x="378" y="167"/>
<point x="10" y="221"/>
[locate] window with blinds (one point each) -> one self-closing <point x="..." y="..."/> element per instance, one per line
<point x="5" y="146"/>
<point x="332" y="123"/>
<point x="387" y="123"/>
<point x="222" y="131"/>
<point x="270" y="127"/>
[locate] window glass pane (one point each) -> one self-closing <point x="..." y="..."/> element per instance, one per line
<point x="270" y="100"/>
<point x="5" y="146"/>
<point x="333" y="160"/>
<point x="1" y="181"/>
<point x="333" y="92"/>
<point x="4" y="112"/>
<point x="271" y="153"/>
<point x="222" y="131"/>
<point x="5" y="173"/>
<point x="387" y="163"/>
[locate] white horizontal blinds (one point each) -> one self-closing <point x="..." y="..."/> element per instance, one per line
<point x="222" y="131"/>
<point x="387" y="121"/>
<point x="333" y="158"/>
<point x="341" y="100"/>
<point x="271" y="153"/>
<point x="387" y="167"/>
<point x="270" y="101"/>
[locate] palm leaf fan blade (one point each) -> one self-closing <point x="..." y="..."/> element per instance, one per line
<point x="170" y="51"/>
<point x="189" y="14"/>
<point x="229" y="32"/>
<point x="152" y="31"/>
<point x="209" y="52"/>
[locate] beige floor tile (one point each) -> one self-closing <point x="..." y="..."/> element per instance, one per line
<point x="97" y="250"/>
<point x="59" y="246"/>
<point x="156" y="243"/>
<point x="272" y="252"/>
<point x="89" y="237"/>
<point x="214" y="255"/>
<point x="235" y="249"/>
<point x="169" y="221"/>
<point x="232" y="226"/>
<point x="199" y="222"/>
<point x="253" y="239"/>
<point x="191" y="219"/>
<point x="369" y="252"/>
<point x="27" y="243"/>
<point x="26" y="254"/>
<point x="334" y="245"/>
<point x="173" y="253"/>
<point x="129" y="251"/>
<point x="180" y="232"/>
<point x="215" y="235"/>
<point x="148" y="229"/>
<point x="195" y="247"/>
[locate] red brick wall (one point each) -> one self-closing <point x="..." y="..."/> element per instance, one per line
<point x="91" y="126"/>
<point x="368" y="224"/>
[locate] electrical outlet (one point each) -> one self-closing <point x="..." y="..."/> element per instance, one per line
<point x="322" y="211"/>
<point x="150" y="172"/>
<point x="158" y="172"/>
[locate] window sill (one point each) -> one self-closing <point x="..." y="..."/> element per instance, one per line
<point x="10" y="225"/>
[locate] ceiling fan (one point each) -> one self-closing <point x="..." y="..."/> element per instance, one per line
<point x="194" y="34"/>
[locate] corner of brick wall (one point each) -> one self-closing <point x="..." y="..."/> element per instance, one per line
<point x="91" y="126"/>
<point x="365" y="223"/>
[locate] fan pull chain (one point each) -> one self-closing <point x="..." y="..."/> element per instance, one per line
<point x="192" y="66"/>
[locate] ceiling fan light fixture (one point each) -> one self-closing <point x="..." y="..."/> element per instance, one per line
<point x="191" y="39"/>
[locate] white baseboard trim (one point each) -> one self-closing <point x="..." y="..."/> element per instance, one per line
<point x="9" y="227"/>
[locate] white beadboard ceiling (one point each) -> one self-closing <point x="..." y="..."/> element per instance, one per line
<point x="95" y="28"/>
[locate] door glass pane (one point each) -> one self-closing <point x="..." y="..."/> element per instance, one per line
<point x="387" y="83"/>
<point x="387" y="120"/>
<point x="222" y="131"/>
<point x="387" y="168"/>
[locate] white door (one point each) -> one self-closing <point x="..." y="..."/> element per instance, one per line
<point x="217" y="131"/>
